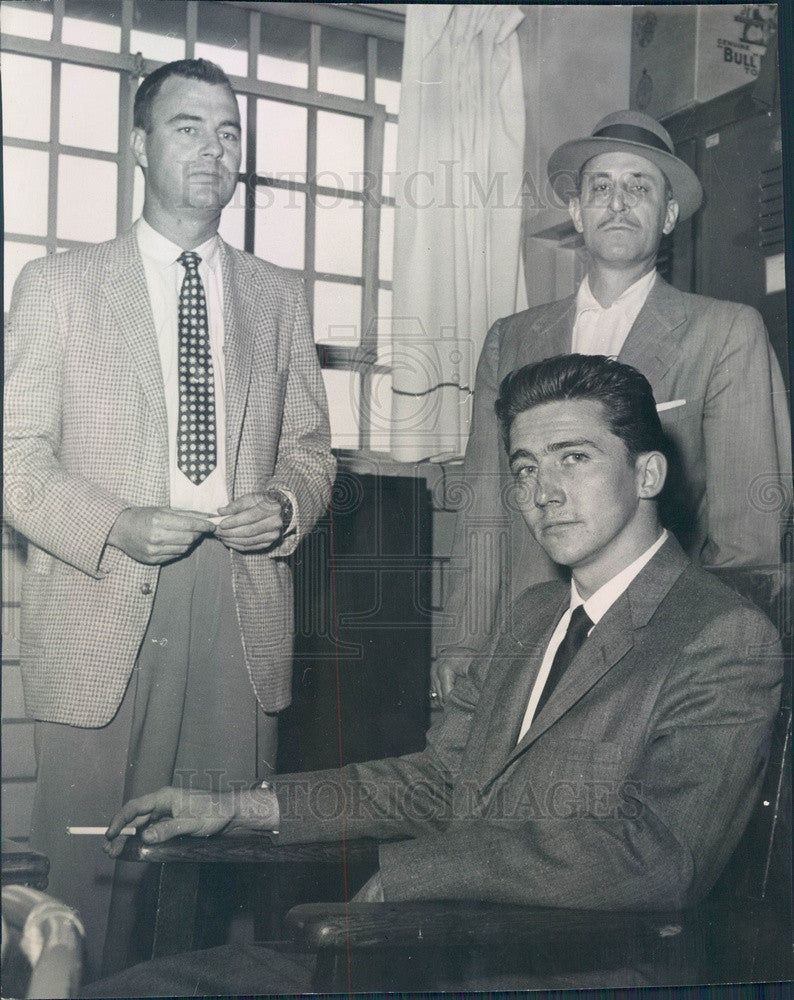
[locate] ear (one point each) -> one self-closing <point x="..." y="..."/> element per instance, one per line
<point x="138" y="147"/>
<point x="575" y="212"/>
<point x="651" y="469"/>
<point x="670" y="216"/>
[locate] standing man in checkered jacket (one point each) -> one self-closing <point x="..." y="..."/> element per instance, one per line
<point x="167" y="445"/>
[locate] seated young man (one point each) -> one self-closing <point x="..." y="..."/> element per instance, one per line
<point x="608" y="755"/>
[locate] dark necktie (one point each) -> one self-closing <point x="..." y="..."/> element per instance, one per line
<point x="195" y="441"/>
<point x="578" y="627"/>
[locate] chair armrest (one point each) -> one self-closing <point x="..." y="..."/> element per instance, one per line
<point x="457" y="946"/>
<point x="22" y="866"/>
<point x="716" y="941"/>
<point x="246" y="849"/>
<point x="453" y="923"/>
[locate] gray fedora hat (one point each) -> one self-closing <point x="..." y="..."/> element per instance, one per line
<point x="629" y="132"/>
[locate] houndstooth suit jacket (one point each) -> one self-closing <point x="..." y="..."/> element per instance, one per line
<point x="86" y="437"/>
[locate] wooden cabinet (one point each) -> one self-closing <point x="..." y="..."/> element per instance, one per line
<point x="362" y="649"/>
<point x="733" y="247"/>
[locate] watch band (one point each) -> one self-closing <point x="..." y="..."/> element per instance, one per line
<point x="284" y="502"/>
<point x="264" y="786"/>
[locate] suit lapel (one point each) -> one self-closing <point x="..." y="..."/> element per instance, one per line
<point x="552" y="332"/>
<point x="654" y="341"/>
<point x="512" y="696"/>
<point x="610" y="641"/>
<point x="240" y="307"/>
<point x="652" y="346"/>
<point x="128" y="296"/>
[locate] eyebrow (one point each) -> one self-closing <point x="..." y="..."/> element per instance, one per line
<point x="632" y="173"/>
<point x="554" y="447"/>
<point x="183" y="116"/>
<point x="520" y="453"/>
<point x="573" y="443"/>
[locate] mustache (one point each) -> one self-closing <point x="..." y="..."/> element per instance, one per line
<point x="624" y="220"/>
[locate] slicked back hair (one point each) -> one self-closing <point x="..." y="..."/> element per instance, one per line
<point x="189" y="69"/>
<point x="625" y="394"/>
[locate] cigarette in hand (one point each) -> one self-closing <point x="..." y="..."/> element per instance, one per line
<point x="96" y="831"/>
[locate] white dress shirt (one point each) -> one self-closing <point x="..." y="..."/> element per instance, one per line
<point x="603" y="331"/>
<point x="164" y="276"/>
<point x="596" y="607"/>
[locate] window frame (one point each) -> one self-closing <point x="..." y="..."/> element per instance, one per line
<point x="373" y="24"/>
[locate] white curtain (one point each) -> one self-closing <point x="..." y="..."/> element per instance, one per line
<point x="457" y="256"/>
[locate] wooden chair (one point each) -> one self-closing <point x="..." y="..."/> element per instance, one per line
<point x="22" y="866"/>
<point x="741" y="932"/>
<point x="184" y="864"/>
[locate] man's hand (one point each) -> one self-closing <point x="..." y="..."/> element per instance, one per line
<point x="155" y="535"/>
<point x="250" y="523"/>
<point x="442" y="679"/>
<point x="371" y="891"/>
<point x="171" y="812"/>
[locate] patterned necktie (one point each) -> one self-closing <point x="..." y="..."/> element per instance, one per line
<point x="195" y="441"/>
<point x="578" y="627"/>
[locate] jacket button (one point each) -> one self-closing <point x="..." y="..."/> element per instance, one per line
<point x="146" y="588"/>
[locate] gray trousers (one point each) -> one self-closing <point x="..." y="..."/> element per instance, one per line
<point x="189" y="714"/>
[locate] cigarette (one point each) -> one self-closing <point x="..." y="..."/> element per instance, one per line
<point x="96" y="831"/>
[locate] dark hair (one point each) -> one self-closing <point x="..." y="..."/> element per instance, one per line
<point x="625" y="394"/>
<point x="189" y="69"/>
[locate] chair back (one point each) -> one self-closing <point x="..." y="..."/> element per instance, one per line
<point x="760" y="867"/>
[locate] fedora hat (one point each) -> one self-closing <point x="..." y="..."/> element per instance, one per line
<point x="628" y="132"/>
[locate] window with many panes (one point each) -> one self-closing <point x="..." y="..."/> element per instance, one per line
<point x="318" y="87"/>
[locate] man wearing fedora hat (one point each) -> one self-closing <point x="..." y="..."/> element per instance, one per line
<point x="714" y="374"/>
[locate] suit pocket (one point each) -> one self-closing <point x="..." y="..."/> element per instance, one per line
<point x="675" y="415"/>
<point x="261" y="429"/>
<point x="38" y="561"/>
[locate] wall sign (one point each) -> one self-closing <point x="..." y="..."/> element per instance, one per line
<point x="732" y="40"/>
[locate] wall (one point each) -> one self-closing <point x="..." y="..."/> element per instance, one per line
<point x="687" y="55"/>
<point x="576" y="62"/>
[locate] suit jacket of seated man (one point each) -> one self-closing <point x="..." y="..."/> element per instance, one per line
<point x="631" y="786"/>
<point x="86" y="437"/>
<point x="723" y="405"/>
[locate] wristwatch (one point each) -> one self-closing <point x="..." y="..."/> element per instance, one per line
<point x="263" y="786"/>
<point x="284" y="502"/>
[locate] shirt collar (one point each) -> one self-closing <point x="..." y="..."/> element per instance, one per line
<point x="634" y="294"/>
<point x="162" y="252"/>
<point x="602" y="600"/>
